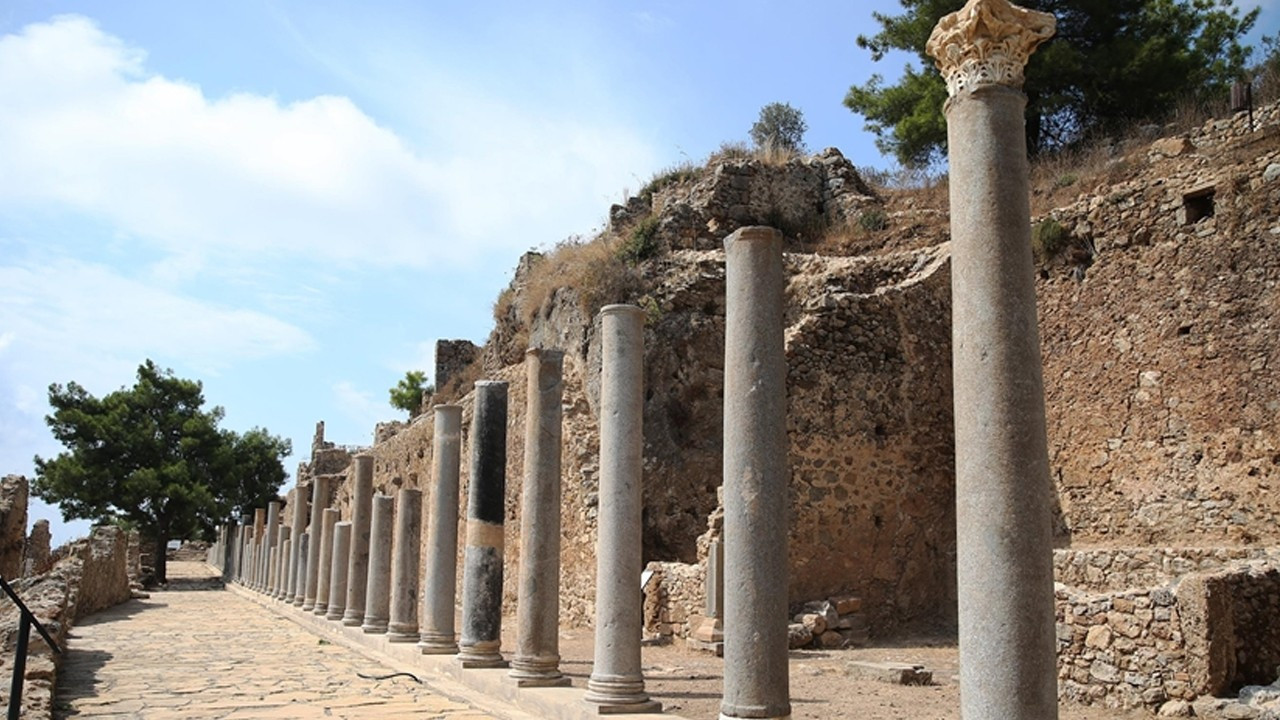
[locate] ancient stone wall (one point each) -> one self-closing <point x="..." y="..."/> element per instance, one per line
<point x="1110" y="569"/>
<point x="1159" y="332"/>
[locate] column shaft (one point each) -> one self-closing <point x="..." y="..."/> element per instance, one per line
<point x="403" y="623"/>
<point x="330" y="518"/>
<point x="273" y="528"/>
<point x="481" y="643"/>
<point x="377" y="607"/>
<point x="319" y="501"/>
<point x="537" y="659"/>
<point x="616" y="683"/>
<point x="755" y="478"/>
<point x="438" y="602"/>
<point x="358" y="565"/>
<point x="294" y="591"/>
<point x="338" y="572"/>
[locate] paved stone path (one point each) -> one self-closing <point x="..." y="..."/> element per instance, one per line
<point x="213" y="654"/>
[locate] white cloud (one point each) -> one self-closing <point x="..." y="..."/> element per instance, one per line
<point x="6" y="339"/>
<point x="87" y="127"/>
<point x="359" y="407"/>
<point x="69" y="313"/>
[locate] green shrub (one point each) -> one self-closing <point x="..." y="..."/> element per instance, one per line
<point x="873" y="220"/>
<point x="1048" y="240"/>
<point x="642" y="243"/>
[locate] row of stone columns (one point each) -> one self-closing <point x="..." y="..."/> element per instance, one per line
<point x="365" y="571"/>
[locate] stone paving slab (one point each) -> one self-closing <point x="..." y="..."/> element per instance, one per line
<point x="216" y="654"/>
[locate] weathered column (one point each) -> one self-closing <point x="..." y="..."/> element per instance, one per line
<point x="358" y="564"/>
<point x="294" y="590"/>
<point x="338" y="573"/>
<point x="259" y="542"/>
<point x="438" y="637"/>
<point x="286" y="547"/>
<point x="755" y="478"/>
<point x="300" y="572"/>
<point x="403" y="625"/>
<point x="1003" y="539"/>
<point x="537" y="659"/>
<point x="319" y="501"/>
<point x="278" y="562"/>
<point x="273" y="527"/>
<point x="244" y="540"/>
<point x="481" y="643"/>
<point x="326" y="561"/>
<point x="377" y="596"/>
<point x="616" y="683"/>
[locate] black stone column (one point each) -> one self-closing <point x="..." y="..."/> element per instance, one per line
<point x="481" y="642"/>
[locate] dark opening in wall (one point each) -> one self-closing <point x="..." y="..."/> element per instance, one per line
<point x="1198" y="205"/>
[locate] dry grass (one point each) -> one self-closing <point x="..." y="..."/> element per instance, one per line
<point x="594" y="268"/>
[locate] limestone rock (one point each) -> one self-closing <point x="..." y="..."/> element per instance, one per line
<point x="13" y="524"/>
<point x="1175" y="708"/>
<point x="889" y="672"/>
<point x="798" y="636"/>
<point x="1272" y="173"/>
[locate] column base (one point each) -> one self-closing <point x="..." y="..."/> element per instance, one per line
<point x="473" y="657"/>
<point x="534" y="682"/>
<point x="374" y="627"/>
<point x="333" y="614"/>
<point x="307" y="606"/>
<point x="297" y="602"/>
<point x="537" y="672"/>
<point x="754" y="717"/>
<point x="437" y="646"/>
<point x="613" y="695"/>
<point x="353" y="618"/>
<point x="402" y="636"/>
<point x="319" y="609"/>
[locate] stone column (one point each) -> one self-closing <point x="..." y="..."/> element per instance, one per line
<point x="326" y="561"/>
<point x="616" y="683"/>
<point x="285" y="548"/>
<point x="294" y="591"/>
<point x="300" y="572"/>
<point x="230" y="552"/>
<point x="338" y="573"/>
<point x="755" y="478"/>
<point x="259" y="533"/>
<point x="243" y="541"/>
<point x="537" y="659"/>
<point x="278" y="563"/>
<point x="438" y="637"/>
<point x="1004" y="551"/>
<point x="358" y="564"/>
<point x="273" y="527"/>
<point x="377" y="596"/>
<point x="319" y="501"/>
<point x="403" y="625"/>
<point x="481" y="643"/>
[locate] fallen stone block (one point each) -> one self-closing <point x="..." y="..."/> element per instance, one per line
<point x="889" y="672"/>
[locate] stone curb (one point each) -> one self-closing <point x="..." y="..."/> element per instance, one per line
<point x="489" y="690"/>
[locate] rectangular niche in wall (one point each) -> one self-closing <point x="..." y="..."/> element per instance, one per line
<point x="1197" y="205"/>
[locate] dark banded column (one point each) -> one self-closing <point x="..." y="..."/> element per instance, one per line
<point x="537" y="659"/>
<point x="481" y="643"/>
<point x="377" y="606"/>
<point x="358" y="564"/>
<point x="441" y="581"/>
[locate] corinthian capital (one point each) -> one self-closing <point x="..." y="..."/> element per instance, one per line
<point x="987" y="42"/>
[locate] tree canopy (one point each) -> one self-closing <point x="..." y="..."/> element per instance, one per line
<point x="407" y="394"/>
<point x="151" y="457"/>
<point x="779" y="126"/>
<point x="1111" y="63"/>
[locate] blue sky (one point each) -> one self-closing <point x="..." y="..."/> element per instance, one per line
<point x="291" y="201"/>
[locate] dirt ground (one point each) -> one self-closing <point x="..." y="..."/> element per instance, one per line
<point x="689" y="683"/>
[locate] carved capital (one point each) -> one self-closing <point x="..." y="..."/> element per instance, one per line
<point x="987" y="42"/>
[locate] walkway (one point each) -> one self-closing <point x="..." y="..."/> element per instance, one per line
<point x="213" y="654"/>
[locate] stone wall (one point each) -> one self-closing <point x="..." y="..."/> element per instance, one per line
<point x="89" y="575"/>
<point x="1159" y="344"/>
<point x="1196" y="622"/>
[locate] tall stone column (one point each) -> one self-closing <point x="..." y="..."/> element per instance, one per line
<point x="300" y="572"/>
<point x="279" y="564"/>
<point x="338" y="573"/>
<point x="358" y="564"/>
<point x="326" y="561"/>
<point x="616" y="683"/>
<point x="1003" y="517"/>
<point x="756" y="475"/>
<point x="259" y="533"/>
<point x="537" y="659"/>
<point x="438" y="600"/>
<point x="230" y="552"/>
<point x="481" y="643"/>
<point x="377" y="605"/>
<point x="403" y="625"/>
<point x="319" y="501"/>
<point x="294" y="590"/>
<point x="273" y="527"/>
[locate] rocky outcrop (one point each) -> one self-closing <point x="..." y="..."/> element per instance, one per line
<point x="13" y="524"/>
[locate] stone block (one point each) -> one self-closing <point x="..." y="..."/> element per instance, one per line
<point x="798" y="636"/>
<point x="889" y="672"/>
<point x="846" y="604"/>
